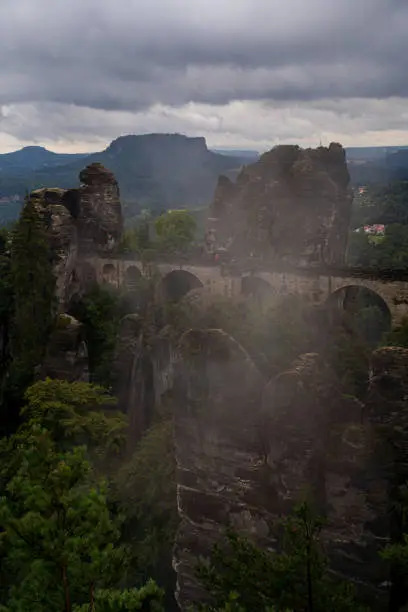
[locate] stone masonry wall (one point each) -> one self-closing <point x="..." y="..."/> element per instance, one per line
<point x="316" y="288"/>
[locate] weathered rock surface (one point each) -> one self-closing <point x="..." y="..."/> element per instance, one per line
<point x="248" y="453"/>
<point x="99" y="214"/>
<point x="67" y="354"/>
<point x="80" y="223"/>
<point x="386" y="408"/>
<point x="217" y="395"/>
<point x="164" y="356"/>
<point x="293" y="205"/>
<point x="133" y="377"/>
<point x="144" y="372"/>
<point x="62" y="231"/>
<point x="388" y="385"/>
<point x="319" y="448"/>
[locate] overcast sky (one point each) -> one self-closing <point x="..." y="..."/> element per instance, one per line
<point x="76" y="74"/>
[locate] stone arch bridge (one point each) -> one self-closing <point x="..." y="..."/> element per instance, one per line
<point x="316" y="285"/>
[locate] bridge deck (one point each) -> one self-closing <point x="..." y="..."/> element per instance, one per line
<point x="248" y="265"/>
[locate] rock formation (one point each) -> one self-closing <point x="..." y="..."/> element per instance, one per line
<point x="386" y="408"/>
<point x="246" y="460"/>
<point x="67" y="354"/>
<point x="81" y="223"/>
<point x="320" y="447"/>
<point x="217" y="394"/>
<point x="61" y="228"/>
<point x="292" y="205"/>
<point x="144" y="371"/>
<point x="99" y="210"/>
<point x="133" y="377"/>
<point x="248" y="451"/>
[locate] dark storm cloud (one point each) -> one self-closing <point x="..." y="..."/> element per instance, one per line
<point x="130" y="54"/>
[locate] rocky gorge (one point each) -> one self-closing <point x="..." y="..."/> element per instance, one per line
<point x="252" y="437"/>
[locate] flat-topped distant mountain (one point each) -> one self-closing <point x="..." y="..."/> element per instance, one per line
<point x="154" y="170"/>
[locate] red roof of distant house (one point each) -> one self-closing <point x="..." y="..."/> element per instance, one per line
<point x="377" y="228"/>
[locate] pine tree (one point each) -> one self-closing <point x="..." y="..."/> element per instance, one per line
<point x="74" y="413"/>
<point x="243" y="577"/>
<point x="34" y="285"/>
<point x="6" y="309"/>
<point x="6" y="317"/>
<point x="59" y="540"/>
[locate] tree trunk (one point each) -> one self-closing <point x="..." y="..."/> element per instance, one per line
<point x="66" y="589"/>
<point x="91" y="597"/>
<point x="309" y="580"/>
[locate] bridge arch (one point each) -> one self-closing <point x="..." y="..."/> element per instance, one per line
<point x="256" y="287"/>
<point x="132" y="277"/>
<point x="368" y="310"/>
<point x="109" y="274"/>
<point x="174" y="285"/>
<point x="88" y="274"/>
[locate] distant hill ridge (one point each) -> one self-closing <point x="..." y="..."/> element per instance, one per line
<point x="34" y="157"/>
<point x="160" y="171"/>
<point x="154" y="170"/>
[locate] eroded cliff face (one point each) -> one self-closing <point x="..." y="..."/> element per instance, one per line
<point x="386" y="408"/>
<point x="248" y="449"/>
<point x="67" y="353"/>
<point x="217" y="398"/>
<point x="80" y="223"/>
<point x="320" y="447"/>
<point x="62" y="232"/>
<point x="99" y="216"/>
<point x="143" y="374"/>
<point x="247" y="452"/>
<point x="292" y="205"/>
<point x="133" y="377"/>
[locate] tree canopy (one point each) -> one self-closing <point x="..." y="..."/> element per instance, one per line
<point x="175" y="229"/>
<point x="242" y="577"/>
<point x="60" y="543"/>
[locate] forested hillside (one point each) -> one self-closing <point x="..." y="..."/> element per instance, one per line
<point x="154" y="171"/>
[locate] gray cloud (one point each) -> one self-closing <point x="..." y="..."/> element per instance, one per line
<point x="303" y="66"/>
<point x="131" y="54"/>
<point x="255" y="124"/>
